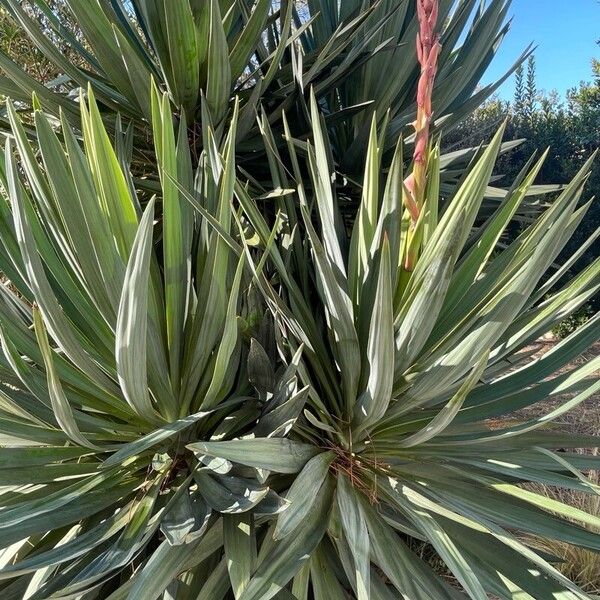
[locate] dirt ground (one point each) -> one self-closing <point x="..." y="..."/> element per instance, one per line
<point x="583" y="419"/>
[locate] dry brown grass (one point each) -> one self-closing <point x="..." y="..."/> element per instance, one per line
<point x="578" y="564"/>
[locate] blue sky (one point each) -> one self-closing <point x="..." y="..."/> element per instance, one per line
<point x="565" y="32"/>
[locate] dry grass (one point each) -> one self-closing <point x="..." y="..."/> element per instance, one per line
<point x="578" y="564"/>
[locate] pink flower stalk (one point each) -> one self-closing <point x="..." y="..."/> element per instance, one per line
<point x="428" y="50"/>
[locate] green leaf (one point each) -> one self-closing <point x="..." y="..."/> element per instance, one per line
<point x="341" y="319"/>
<point x="227" y="344"/>
<point x="187" y="517"/>
<point x="374" y="401"/>
<point x="356" y="533"/>
<point x="218" y="66"/>
<point x="446" y="415"/>
<point x="156" y="437"/>
<point x="365" y="226"/>
<point x="409" y="574"/>
<point x="115" y="197"/>
<point x="430" y="281"/>
<point x="240" y="549"/>
<point x="55" y="319"/>
<point x="249" y="38"/>
<point x="273" y="454"/>
<point x="281" y="563"/>
<point x="228" y="494"/>
<point x="184" y="54"/>
<point x="132" y="322"/>
<point x="303" y="494"/>
<point x="60" y="404"/>
<point x="177" y="223"/>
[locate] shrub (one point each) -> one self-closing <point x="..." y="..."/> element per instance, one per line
<point x="266" y="53"/>
<point x="214" y="386"/>
<point x="411" y="374"/>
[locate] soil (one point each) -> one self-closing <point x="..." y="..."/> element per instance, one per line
<point x="583" y="419"/>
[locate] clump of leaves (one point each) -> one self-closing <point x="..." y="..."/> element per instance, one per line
<point x="411" y="374"/>
<point x="160" y="438"/>
<point x="150" y="449"/>
<point x="266" y="53"/>
<point x="578" y="564"/>
<point x="120" y="347"/>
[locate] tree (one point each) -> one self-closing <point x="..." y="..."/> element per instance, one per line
<point x="519" y="101"/>
<point x="531" y="88"/>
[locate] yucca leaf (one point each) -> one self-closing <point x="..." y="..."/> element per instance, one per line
<point x="515" y="513"/>
<point x="341" y="315"/>
<point x="177" y="224"/>
<point x="183" y="52"/>
<point x="227" y="344"/>
<point x="69" y="550"/>
<point x="218" y="65"/>
<point x="449" y="551"/>
<point x="474" y="262"/>
<point x="249" y="38"/>
<point x="212" y="291"/>
<point x="158" y="573"/>
<point x="217" y="584"/>
<point x="285" y="558"/>
<point x="283" y="414"/>
<point x="366" y="219"/>
<point x="110" y="265"/>
<point x="411" y="576"/>
<point x="154" y="438"/>
<point x="186" y="518"/>
<point x="60" y="404"/>
<point x="55" y="319"/>
<point x="98" y="29"/>
<point x="373" y="403"/>
<point x="71" y="212"/>
<point x="138" y="72"/>
<point x="327" y="206"/>
<point x="302" y="494"/>
<point x="272" y="454"/>
<point x="229" y="494"/>
<point x="54" y="246"/>
<point x="323" y="578"/>
<point x="240" y="549"/>
<point x="131" y="334"/>
<point x="356" y="533"/>
<point x="445" y="416"/>
<point x="117" y="204"/>
<point x="430" y="281"/>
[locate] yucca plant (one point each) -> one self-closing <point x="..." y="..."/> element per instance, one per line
<point x="216" y="385"/>
<point x="267" y="54"/>
<point x="264" y="52"/>
<point x="413" y="373"/>
<point x="121" y="344"/>
<point x="176" y="480"/>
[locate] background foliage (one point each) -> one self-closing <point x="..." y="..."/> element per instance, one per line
<point x="569" y="127"/>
